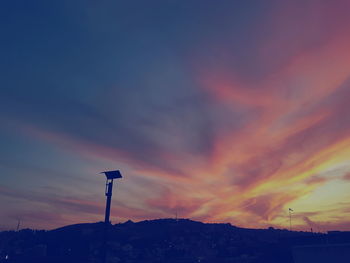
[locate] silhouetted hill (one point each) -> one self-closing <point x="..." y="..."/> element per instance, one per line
<point x="161" y="240"/>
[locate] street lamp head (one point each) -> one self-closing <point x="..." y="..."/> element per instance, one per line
<point x="112" y="174"/>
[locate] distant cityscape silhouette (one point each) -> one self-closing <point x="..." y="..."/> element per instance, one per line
<point x="171" y="240"/>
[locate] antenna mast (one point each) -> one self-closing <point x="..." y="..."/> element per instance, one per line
<point x="18" y="224"/>
<point x="290" y="218"/>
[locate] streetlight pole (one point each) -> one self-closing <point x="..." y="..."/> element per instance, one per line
<point x="109" y="187"/>
<point x="110" y="176"/>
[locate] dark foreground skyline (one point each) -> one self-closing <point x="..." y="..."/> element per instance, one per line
<point x="218" y="111"/>
<point x="174" y="241"/>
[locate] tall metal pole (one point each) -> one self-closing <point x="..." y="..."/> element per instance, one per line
<point x="109" y="187"/>
<point x="18" y="224"/>
<point x="110" y="175"/>
<point x="290" y="221"/>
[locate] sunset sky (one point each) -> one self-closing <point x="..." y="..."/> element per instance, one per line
<point x="219" y="111"/>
